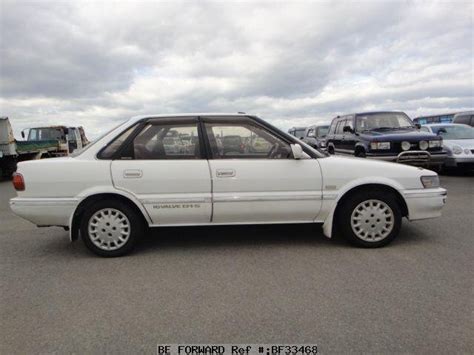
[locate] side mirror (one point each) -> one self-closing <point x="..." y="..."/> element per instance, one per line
<point x="347" y="129"/>
<point x="297" y="151"/>
<point x="417" y="125"/>
<point x="23" y="134"/>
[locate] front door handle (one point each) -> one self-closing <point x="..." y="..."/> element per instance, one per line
<point x="132" y="174"/>
<point x="222" y="173"/>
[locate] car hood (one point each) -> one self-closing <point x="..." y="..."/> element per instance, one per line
<point x="399" y="135"/>
<point x="464" y="143"/>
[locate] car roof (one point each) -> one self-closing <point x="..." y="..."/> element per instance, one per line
<point x="466" y="113"/>
<point x="376" y="112"/>
<point x="170" y="115"/>
<point x="320" y="124"/>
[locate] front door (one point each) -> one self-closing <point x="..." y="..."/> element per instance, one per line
<point x="254" y="176"/>
<point x="164" y="168"/>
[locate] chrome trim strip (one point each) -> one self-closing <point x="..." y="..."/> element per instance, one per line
<point x="176" y="200"/>
<point x="329" y="196"/>
<point x="267" y="198"/>
<point x="424" y="194"/>
<point x="44" y="201"/>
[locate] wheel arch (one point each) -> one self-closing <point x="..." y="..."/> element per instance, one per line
<point x="329" y="226"/>
<point x="90" y="199"/>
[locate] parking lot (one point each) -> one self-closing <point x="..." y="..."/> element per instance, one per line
<point x="247" y="284"/>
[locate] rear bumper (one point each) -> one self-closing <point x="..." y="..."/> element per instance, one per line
<point x="418" y="158"/>
<point x="44" y="211"/>
<point x="425" y="203"/>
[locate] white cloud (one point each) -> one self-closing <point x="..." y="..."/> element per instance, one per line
<point x="92" y="64"/>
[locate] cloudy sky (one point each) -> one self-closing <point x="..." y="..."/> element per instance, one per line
<point x="97" y="63"/>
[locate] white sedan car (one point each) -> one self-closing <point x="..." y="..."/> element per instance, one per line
<point x="458" y="141"/>
<point x="129" y="179"/>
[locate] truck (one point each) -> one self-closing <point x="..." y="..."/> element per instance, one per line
<point x="41" y="142"/>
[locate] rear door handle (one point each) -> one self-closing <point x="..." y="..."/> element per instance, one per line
<point x="132" y="174"/>
<point x="222" y="173"/>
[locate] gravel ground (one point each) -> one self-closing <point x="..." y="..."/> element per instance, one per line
<point x="246" y="284"/>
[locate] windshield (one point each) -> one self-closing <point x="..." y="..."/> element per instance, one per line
<point x="323" y="131"/>
<point x="380" y="121"/>
<point x="454" y="132"/>
<point x="46" y="134"/>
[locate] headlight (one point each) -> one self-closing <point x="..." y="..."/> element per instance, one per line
<point x="379" y="145"/>
<point x="423" y="145"/>
<point x="406" y="145"/>
<point x="457" y="149"/>
<point x="430" y="181"/>
<point x="435" y="144"/>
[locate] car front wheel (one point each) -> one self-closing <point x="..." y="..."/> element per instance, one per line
<point x="111" y="228"/>
<point x="370" y="219"/>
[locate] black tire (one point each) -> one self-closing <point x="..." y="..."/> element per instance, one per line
<point x="331" y="150"/>
<point x="360" y="153"/>
<point x="349" y="204"/>
<point x="136" y="226"/>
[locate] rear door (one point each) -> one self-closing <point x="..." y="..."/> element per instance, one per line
<point x="163" y="166"/>
<point x="260" y="183"/>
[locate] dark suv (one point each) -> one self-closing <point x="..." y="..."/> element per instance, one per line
<point x="389" y="136"/>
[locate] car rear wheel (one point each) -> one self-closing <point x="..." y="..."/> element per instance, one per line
<point x="111" y="228"/>
<point x="370" y="219"/>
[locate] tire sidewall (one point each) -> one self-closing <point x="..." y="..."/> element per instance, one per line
<point x="348" y="206"/>
<point x="136" y="226"/>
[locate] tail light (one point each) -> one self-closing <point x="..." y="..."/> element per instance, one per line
<point x="18" y="182"/>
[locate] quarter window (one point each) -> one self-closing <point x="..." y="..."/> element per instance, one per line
<point x="109" y="151"/>
<point x="245" y="140"/>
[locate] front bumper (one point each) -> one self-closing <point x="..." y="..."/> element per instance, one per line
<point x="454" y="161"/>
<point x="412" y="157"/>
<point x="425" y="203"/>
<point x="44" y="211"/>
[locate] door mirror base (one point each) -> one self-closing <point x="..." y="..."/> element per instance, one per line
<point x="297" y="151"/>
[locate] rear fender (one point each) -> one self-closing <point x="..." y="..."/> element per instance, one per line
<point x="98" y="190"/>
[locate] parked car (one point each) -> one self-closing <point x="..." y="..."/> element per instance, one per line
<point x="315" y="135"/>
<point x="110" y="192"/>
<point x="298" y="132"/>
<point x="389" y="136"/>
<point x="464" y="118"/>
<point x="458" y="141"/>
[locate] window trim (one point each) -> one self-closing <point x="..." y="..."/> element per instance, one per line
<point x="238" y="120"/>
<point x="203" y="138"/>
<point x="140" y="125"/>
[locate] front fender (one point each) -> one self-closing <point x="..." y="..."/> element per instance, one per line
<point x="336" y="197"/>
